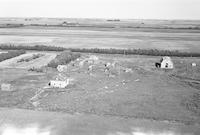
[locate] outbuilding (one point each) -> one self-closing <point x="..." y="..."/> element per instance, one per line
<point x="194" y="64"/>
<point x="166" y="63"/>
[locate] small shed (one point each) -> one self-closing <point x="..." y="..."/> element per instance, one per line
<point x="65" y="23"/>
<point x="90" y="68"/>
<point x="128" y="70"/>
<point x="194" y="64"/>
<point x="93" y="57"/>
<point x="81" y="63"/>
<point x="108" y="64"/>
<point x="166" y="63"/>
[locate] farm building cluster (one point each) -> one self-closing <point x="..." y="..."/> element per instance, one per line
<point x="95" y="83"/>
<point x="88" y="65"/>
<point x="93" y="63"/>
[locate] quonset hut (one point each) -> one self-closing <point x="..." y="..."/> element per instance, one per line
<point x="166" y="63"/>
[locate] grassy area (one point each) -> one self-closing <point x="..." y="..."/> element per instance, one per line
<point x="11" y="54"/>
<point x="150" y="52"/>
<point x="192" y="103"/>
<point x="145" y="93"/>
<point x="63" y="58"/>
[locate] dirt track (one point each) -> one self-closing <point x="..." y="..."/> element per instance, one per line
<point x="37" y="63"/>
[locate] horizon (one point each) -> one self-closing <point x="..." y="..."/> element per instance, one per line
<point x="12" y="17"/>
<point x="102" y="9"/>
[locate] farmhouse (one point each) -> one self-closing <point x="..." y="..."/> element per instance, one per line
<point x="166" y="63"/>
<point x="59" y="84"/>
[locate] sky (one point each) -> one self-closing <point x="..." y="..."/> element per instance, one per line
<point x="122" y="9"/>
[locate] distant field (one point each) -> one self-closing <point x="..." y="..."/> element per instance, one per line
<point x="144" y="34"/>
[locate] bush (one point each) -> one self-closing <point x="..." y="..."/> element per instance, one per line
<point x="151" y="52"/>
<point x="63" y="59"/>
<point x="11" y="54"/>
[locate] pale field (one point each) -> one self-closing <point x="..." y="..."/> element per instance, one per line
<point x="151" y="34"/>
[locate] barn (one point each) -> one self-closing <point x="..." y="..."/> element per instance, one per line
<point x="166" y="63"/>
